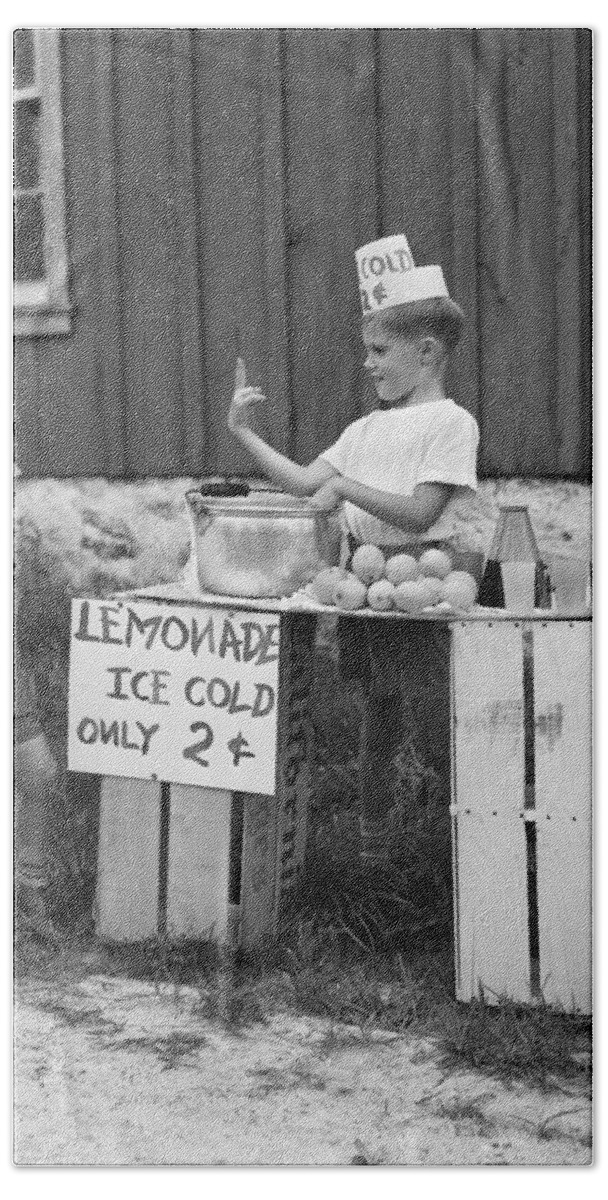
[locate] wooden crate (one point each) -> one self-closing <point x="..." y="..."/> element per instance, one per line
<point x="197" y="862"/>
<point x="521" y="811"/>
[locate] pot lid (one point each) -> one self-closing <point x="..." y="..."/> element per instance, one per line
<point x="223" y="485"/>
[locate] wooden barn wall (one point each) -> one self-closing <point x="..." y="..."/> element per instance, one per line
<point x="218" y="182"/>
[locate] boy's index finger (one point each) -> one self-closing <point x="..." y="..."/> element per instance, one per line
<point x="240" y="375"/>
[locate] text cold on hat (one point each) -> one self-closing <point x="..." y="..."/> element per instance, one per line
<point x="387" y="275"/>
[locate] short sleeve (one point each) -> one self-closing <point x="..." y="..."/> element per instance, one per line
<point x="338" y="454"/>
<point x="451" y="455"/>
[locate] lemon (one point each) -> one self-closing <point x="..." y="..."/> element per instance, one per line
<point x="350" y="593"/>
<point x="381" y="595"/>
<point x="368" y="564"/>
<point x="460" y="590"/>
<point x="435" y="562"/>
<point x="433" y="589"/>
<point x="410" y="596"/>
<point x="401" y="567"/>
<point x="324" y="583"/>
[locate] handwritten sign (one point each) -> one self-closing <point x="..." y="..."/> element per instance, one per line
<point x="175" y="693"/>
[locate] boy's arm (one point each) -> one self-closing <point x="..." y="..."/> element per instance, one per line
<point x="413" y="514"/>
<point x="299" y="481"/>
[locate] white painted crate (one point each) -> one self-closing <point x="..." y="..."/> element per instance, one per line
<point x="196" y="862"/>
<point x="521" y="811"/>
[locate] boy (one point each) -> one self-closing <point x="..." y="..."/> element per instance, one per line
<point x="397" y="473"/>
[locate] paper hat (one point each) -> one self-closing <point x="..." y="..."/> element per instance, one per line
<point x="387" y="275"/>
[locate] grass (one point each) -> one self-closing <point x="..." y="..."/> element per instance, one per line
<point x="465" y="1114"/>
<point x="174" y="1050"/>
<point x="513" y="1041"/>
<point x="318" y="971"/>
<point x="270" y="1080"/>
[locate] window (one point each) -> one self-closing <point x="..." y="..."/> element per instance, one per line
<point x="40" y="270"/>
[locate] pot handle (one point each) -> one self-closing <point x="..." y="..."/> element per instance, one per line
<point x="199" y="511"/>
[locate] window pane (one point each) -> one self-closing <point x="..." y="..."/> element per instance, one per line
<point x="27" y="144"/>
<point x="23" y="58"/>
<point x="29" y="238"/>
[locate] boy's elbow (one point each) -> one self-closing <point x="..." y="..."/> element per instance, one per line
<point x="429" y="508"/>
<point x="424" y="518"/>
<point x="421" y="522"/>
<point x="303" y="486"/>
<point x="308" y="481"/>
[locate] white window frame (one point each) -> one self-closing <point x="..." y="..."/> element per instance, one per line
<point x="42" y="306"/>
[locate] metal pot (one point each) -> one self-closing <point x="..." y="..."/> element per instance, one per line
<point x="264" y="544"/>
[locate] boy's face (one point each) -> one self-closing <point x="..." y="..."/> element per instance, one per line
<point x="393" y="363"/>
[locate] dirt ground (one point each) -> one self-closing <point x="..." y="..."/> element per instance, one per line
<point x="110" y="1070"/>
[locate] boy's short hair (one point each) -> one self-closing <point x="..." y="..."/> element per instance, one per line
<point x="437" y="317"/>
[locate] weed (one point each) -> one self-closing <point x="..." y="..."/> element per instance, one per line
<point x="516" y="1041"/>
<point x="316" y="972"/>
<point x="465" y="1112"/>
<point x="227" y="991"/>
<point x="91" y="1020"/>
<point x="364" y="1157"/>
<point x="174" y="1050"/>
<point x="275" y="1079"/>
<point x="545" y="1131"/>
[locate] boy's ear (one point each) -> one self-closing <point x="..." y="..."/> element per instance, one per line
<point x="431" y="350"/>
<point x="428" y="346"/>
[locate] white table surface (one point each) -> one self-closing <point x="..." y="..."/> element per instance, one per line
<point x="178" y="593"/>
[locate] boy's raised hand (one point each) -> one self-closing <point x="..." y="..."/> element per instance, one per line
<point x="243" y="399"/>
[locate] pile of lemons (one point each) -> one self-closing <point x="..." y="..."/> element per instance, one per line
<point x="400" y="582"/>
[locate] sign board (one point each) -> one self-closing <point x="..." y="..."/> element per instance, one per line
<point x="178" y="693"/>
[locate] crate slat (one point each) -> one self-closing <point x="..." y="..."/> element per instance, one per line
<point x="198" y="862"/>
<point x="562" y="692"/>
<point x="127" y="879"/>
<point x="258" y="878"/>
<point x="490" y="885"/>
<point x="294" y="752"/>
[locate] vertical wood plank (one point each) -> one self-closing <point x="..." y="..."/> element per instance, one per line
<point x="584" y="108"/>
<point x="562" y="690"/>
<point x="294" y="751"/>
<point x="230" y="78"/>
<point x="279" y="422"/>
<point x="259" y="865"/>
<point x="109" y="377"/>
<point x="415" y="136"/>
<point x="143" y="86"/>
<point x="570" y="416"/>
<point x="330" y="98"/>
<point x="516" y="262"/>
<point x="30" y="444"/>
<point x="127" y="876"/>
<point x="199" y="862"/>
<point x="464" y="216"/>
<point x="186" y="251"/>
<point x="491" y="899"/>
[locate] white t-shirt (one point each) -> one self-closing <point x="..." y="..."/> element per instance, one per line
<point x="395" y="449"/>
